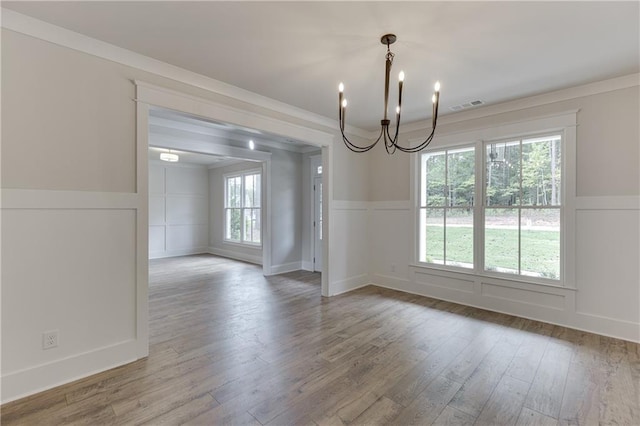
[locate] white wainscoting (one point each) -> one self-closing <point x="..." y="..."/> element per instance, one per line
<point x="286" y="267"/>
<point x="69" y="263"/>
<point x="236" y="255"/>
<point x="178" y="209"/>
<point x="350" y="260"/>
<point x="606" y="299"/>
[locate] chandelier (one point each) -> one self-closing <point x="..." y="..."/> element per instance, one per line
<point x="390" y="142"/>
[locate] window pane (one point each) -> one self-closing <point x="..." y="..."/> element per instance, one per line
<point x="233" y="192"/>
<point x="249" y="182"/>
<point x="252" y="225"/>
<point x="459" y="235"/>
<point x="252" y="190"/>
<point x="540" y="243"/>
<point x="503" y="174"/>
<point x="257" y="190"/>
<point x="460" y="176"/>
<point x="434" y="185"/>
<point x="233" y="223"/>
<point x="541" y="162"/>
<point x="501" y="240"/>
<point x="432" y="247"/>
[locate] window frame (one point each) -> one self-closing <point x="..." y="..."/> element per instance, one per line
<point x="242" y="174"/>
<point x="444" y="207"/>
<point x="519" y="208"/>
<point x="563" y="124"/>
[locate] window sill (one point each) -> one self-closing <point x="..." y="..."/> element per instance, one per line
<point x="502" y="278"/>
<point x="257" y="246"/>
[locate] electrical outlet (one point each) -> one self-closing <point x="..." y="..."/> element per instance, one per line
<point x="50" y="339"/>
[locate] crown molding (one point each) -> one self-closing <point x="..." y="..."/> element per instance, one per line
<point x="36" y="28"/>
<point x="590" y="89"/>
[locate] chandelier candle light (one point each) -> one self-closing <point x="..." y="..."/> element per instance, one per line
<point x="390" y="143"/>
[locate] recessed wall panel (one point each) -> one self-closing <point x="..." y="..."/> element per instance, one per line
<point x="186" y="180"/>
<point x="607" y="258"/>
<point x="529" y="297"/>
<point x="75" y="270"/>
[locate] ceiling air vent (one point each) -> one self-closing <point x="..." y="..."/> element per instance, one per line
<point x="466" y="105"/>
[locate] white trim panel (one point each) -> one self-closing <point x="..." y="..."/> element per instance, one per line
<point x="547" y="303"/>
<point x="176" y="253"/>
<point x="350" y="284"/>
<point x="46" y="376"/>
<point x="286" y="267"/>
<point x="235" y="255"/>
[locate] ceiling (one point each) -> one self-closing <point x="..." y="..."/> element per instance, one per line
<point x="172" y="129"/>
<point x="186" y="157"/>
<point x="298" y="52"/>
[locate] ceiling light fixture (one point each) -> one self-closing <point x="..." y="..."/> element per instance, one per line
<point x="169" y="156"/>
<point x="252" y="145"/>
<point x="390" y="143"/>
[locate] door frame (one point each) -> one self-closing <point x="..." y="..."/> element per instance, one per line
<point x="148" y="95"/>
<point x="314" y="161"/>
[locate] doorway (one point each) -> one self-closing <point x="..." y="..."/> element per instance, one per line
<point x="150" y="96"/>
<point x="317" y="222"/>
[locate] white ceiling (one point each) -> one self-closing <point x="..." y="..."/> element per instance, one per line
<point x="171" y="129"/>
<point x="186" y="157"/>
<point x="298" y="52"/>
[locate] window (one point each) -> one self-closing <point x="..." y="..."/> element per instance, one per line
<point x="446" y="207"/>
<point x="242" y="208"/>
<point x="523" y="206"/>
<point x="516" y="229"/>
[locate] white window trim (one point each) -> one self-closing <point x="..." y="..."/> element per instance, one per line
<point x="418" y="175"/>
<point x="480" y="221"/>
<point x="242" y="174"/>
<point x="562" y="123"/>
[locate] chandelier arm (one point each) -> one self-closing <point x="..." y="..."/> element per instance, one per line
<point x="391" y="143"/>
<point x="418" y="148"/>
<point x="389" y="146"/>
<point x="388" y="135"/>
<point x="395" y="137"/>
<point x="356" y="148"/>
<point x="424" y="143"/>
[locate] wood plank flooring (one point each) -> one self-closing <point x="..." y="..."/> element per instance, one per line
<point x="229" y="346"/>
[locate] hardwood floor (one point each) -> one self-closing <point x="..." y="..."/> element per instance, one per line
<point x="229" y="346"/>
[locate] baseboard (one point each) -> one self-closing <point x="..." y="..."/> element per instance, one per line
<point x="27" y="382"/>
<point x="393" y="283"/>
<point x="235" y="255"/>
<point x="286" y="267"/>
<point x="350" y="284"/>
<point x="174" y="253"/>
<point x="307" y="266"/>
<point x="610" y="327"/>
